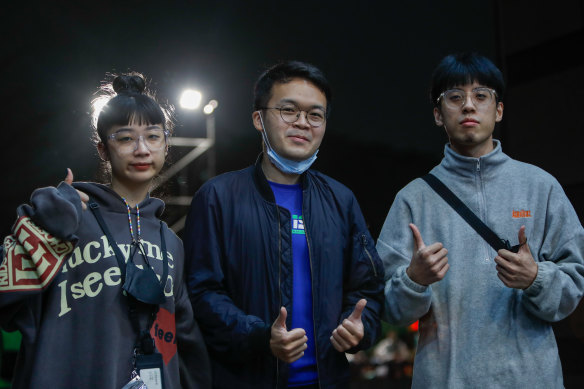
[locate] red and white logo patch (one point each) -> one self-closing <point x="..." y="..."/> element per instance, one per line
<point x="32" y="257"/>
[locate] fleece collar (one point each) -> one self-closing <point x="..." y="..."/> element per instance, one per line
<point x="486" y="165"/>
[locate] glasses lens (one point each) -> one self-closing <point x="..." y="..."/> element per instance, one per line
<point x="482" y="97"/>
<point x="456" y="98"/>
<point x="154" y="139"/>
<point x="291" y="113"/>
<point x="316" y="117"/>
<point x="127" y="141"/>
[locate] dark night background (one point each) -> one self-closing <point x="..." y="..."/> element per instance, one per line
<point x="378" y="57"/>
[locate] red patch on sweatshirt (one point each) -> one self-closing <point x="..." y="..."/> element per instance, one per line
<point x="163" y="332"/>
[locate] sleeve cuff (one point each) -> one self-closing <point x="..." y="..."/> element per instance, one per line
<point x="536" y="286"/>
<point x="409" y="283"/>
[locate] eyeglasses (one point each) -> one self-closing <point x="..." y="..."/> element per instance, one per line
<point x="126" y="141"/>
<point x="290" y="113"/>
<point x="456" y="98"/>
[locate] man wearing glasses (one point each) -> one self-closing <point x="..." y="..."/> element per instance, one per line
<point x="485" y="315"/>
<point x="282" y="271"/>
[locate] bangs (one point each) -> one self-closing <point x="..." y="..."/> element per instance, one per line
<point x="124" y="110"/>
<point x="465" y="69"/>
<point x="463" y="75"/>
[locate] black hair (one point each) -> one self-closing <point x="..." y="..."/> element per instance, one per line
<point x="465" y="68"/>
<point x="121" y="100"/>
<point x="284" y="72"/>
<point x="127" y="101"/>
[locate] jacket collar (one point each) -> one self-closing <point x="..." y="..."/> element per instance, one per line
<point x="460" y="165"/>
<point x="264" y="186"/>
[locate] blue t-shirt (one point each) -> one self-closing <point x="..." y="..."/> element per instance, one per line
<point x="303" y="371"/>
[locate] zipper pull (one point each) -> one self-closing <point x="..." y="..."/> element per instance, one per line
<point x="478" y="165"/>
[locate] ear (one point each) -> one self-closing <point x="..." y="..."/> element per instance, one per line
<point x="257" y="123"/>
<point x="499" y="115"/>
<point x="102" y="151"/>
<point x="438" y="117"/>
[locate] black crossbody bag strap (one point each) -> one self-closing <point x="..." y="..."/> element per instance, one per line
<point x="119" y="256"/>
<point x="481" y="228"/>
<point x="164" y="255"/>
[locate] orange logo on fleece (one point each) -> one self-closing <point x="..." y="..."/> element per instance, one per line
<point x="521" y="214"/>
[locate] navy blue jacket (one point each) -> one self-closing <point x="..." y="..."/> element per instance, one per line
<point x="238" y="248"/>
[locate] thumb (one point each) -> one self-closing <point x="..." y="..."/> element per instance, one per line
<point x="281" y="319"/>
<point x="418" y="241"/>
<point x="356" y="314"/>
<point x="69" y="178"/>
<point x="523" y="240"/>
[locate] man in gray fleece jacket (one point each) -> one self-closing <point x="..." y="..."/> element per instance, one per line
<point x="485" y="316"/>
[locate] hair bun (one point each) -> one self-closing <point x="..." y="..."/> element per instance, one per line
<point x="129" y="84"/>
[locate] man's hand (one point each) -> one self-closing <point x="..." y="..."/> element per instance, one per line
<point x="517" y="270"/>
<point x="82" y="195"/>
<point x="287" y="346"/>
<point x="429" y="263"/>
<point x="350" y="332"/>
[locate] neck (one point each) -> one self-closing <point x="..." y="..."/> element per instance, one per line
<point x="273" y="174"/>
<point x="133" y="193"/>
<point x="475" y="151"/>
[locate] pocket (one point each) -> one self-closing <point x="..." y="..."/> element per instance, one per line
<point x="368" y="254"/>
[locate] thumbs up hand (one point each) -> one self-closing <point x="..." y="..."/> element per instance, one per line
<point x="517" y="270"/>
<point x="429" y="263"/>
<point x="82" y="195"/>
<point x="350" y="332"/>
<point x="287" y="346"/>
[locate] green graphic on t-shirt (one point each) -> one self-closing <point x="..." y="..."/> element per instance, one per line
<point x="297" y="224"/>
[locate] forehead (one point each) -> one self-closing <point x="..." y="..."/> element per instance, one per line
<point x="298" y="90"/>
<point x="468" y="86"/>
<point x="134" y="126"/>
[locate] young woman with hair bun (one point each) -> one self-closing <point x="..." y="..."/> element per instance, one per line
<point x="91" y="276"/>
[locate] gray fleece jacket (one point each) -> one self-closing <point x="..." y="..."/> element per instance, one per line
<point x="475" y="332"/>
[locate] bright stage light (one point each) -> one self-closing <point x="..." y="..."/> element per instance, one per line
<point x="191" y="99"/>
<point x="210" y="107"/>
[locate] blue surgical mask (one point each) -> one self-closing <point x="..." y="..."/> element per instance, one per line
<point x="285" y="165"/>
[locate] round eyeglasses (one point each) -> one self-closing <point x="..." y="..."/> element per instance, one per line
<point x="456" y="98"/>
<point x="126" y="141"/>
<point x="290" y="113"/>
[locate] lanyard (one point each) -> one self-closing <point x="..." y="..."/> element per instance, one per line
<point x="137" y="282"/>
<point x="119" y="256"/>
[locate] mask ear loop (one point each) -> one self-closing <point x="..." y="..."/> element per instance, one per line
<point x="264" y="134"/>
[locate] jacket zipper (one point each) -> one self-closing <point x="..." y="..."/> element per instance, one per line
<point x="482" y="204"/>
<point x="279" y="284"/>
<point x="312" y="289"/>
<point x="364" y="242"/>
